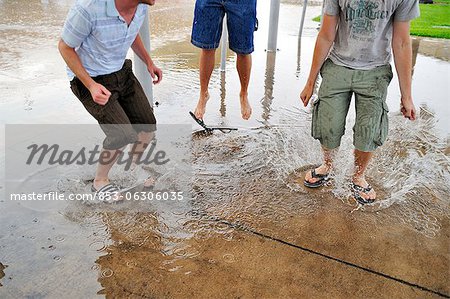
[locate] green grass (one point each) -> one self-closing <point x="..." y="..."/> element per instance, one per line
<point x="433" y="18"/>
<point x="317" y="19"/>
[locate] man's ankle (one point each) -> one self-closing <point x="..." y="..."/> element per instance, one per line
<point x="98" y="181"/>
<point x="327" y="166"/>
<point x="358" y="178"/>
<point x="323" y="169"/>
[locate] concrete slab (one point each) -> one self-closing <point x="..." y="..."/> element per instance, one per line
<point x="248" y="267"/>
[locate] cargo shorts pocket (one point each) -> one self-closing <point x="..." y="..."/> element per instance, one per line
<point x="315" y="125"/>
<point x="384" y="126"/>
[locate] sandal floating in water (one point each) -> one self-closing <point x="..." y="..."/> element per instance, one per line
<point x="209" y="130"/>
<point x="322" y="179"/>
<point x="357" y="189"/>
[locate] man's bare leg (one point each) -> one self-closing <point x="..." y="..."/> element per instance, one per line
<point x="326" y="166"/>
<point x="103" y="167"/>
<point x="144" y="139"/>
<point x="244" y="68"/>
<point x="206" y="69"/>
<point x="362" y="160"/>
<point x="138" y="148"/>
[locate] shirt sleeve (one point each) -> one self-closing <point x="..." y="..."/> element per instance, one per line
<point x="331" y="7"/>
<point x="143" y="9"/>
<point x="77" y="27"/>
<point x="407" y="10"/>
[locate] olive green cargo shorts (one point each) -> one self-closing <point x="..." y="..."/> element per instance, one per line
<point x="335" y="93"/>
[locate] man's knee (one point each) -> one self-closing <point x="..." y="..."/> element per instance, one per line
<point x="209" y="51"/>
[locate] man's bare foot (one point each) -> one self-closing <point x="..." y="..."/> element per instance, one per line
<point x="201" y="105"/>
<point x="321" y="170"/>
<point x="149" y="182"/>
<point x="369" y="196"/>
<point x="246" y="110"/>
<point x="100" y="183"/>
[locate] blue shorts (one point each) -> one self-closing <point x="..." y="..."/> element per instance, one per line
<point x="241" y="23"/>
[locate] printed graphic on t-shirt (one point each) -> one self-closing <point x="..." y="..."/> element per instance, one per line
<point x="364" y="33"/>
<point x="363" y="17"/>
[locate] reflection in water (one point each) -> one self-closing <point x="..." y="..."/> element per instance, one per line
<point x="268" y="85"/>
<point x="223" y="93"/>
<point x="299" y="56"/>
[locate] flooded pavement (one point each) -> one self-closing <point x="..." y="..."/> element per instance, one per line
<point x="248" y="229"/>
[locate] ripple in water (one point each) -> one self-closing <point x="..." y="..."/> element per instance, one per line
<point x="253" y="179"/>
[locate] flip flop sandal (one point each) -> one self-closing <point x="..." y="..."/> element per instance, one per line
<point x="200" y="122"/>
<point x="322" y="179"/>
<point x="357" y="189"/>
<point x="209" y="130"/>
<point x="107" y="193"/>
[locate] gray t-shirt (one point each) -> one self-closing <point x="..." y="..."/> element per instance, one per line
<point x="364" y="34"/>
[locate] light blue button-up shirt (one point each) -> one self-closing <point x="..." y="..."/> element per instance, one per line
<point x="100" y="36"/>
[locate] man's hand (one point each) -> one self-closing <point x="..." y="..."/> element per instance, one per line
<point x="306" y="94"/>
<point x="407" y="108"/>
<point x="324" y="41"/>
<point x="141" y="52"/>
<point x="99" y="93"/>
<point x="155" y="72"/>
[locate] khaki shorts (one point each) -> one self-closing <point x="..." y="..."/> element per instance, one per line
<point x="330" y="110"/>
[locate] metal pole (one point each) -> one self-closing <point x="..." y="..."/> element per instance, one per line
<point x="224" y="47"/>
<point x="273" y="25"/>
<point x="302" y="22"/>
<point x="140" y="67"/>
<point x="300" y="33"/>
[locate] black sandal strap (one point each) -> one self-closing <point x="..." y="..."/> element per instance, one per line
<point x="200" y="122"/>
<point x="109" y="188"/>
<point x="361" y="188"/>
<point x="356" y="193"/>
<point x="318" y="175"/>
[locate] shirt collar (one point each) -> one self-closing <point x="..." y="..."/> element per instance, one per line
<point x="111" y="9"/>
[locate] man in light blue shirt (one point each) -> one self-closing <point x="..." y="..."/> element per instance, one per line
<point x="94" y="43"/>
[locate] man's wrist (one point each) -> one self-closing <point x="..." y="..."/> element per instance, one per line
<point x="311" y="81"/>
<point x="406" y="98"/>
<point x="150" y="63"/>
<point x="90" y="83"/>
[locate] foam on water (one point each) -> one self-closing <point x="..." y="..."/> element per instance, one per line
<point x="411" y="170"/>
